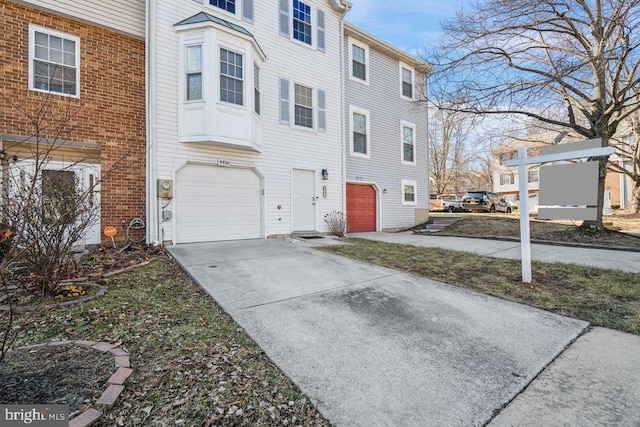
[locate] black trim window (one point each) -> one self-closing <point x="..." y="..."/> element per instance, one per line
<point x="228" y="5"/>
<point x="231" y="77"/>
<point x="303" y="106"/>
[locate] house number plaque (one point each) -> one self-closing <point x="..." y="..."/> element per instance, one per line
<point x="223" y="162"/>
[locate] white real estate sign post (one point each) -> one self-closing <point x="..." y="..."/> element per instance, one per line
<point x="522" y="162"/>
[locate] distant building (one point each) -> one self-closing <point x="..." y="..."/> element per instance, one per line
<point x="617" y="188"/>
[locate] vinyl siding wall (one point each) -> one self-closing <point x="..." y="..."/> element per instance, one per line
<point x="123" y="16"/>
<point x="384" y="167"/>
<point x="283" y="148"/>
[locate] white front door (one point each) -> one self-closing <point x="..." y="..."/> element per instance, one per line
<point x="304" y="200"/>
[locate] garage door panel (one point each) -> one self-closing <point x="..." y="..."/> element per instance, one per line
<point x="361" y="208"/>
<point x="215" y="203"/>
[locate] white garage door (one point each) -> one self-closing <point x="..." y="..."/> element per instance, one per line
<point x="217" y="203"/>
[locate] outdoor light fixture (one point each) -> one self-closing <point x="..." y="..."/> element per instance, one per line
<point x="2" y="154"/>
<point x="325" y="174"/>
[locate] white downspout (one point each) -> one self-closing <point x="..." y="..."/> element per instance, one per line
<point x="342" y="120"/>
<point x="153" y="232"/>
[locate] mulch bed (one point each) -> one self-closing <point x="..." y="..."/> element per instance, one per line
<point x="103" y="259"/>
<point x="55" y="375"/>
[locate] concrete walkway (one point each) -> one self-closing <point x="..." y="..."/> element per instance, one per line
<point x="377" y="347"/>
<point x="603" y="258"/>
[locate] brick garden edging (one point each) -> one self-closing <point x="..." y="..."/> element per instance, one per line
<point x="115" y="383"/>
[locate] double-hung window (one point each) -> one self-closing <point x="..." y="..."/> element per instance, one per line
<point x="534" y="175"/>
<point x="360" y="141"/>
<point x="194" y="73"/>
<point x="231" y="77"/>
<point x="301" y="22"/>
<point x="256" y="88"/>
<point x="303" y="102"/>
<point x="408" y="143"/>
<point x="507" y="179"/>
<point x="228" y="5"/>
<point x="359" y="62"/>
<point x="406" y="81"/>
<point x="54" y="61"/>
<point x="409" y="192"/>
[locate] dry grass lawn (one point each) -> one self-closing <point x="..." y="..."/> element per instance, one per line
<point x="484" y="225"/>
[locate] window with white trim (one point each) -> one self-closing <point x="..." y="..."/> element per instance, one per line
<point x="507" y="179"/>
<point x="408" y="135"/>
<point x="256" y="88"/>
<point x="194" y="73"/>
<point x="228" y="5"/>
<point x="534" y="175"/>
<point x="302" y="22"/>
<point x="359" y="137"/>
<point x="409" y="192"/>
<point x="303" y="106"/>
<point x="407" y="80"/>
<point x="231" y="77"/>
<point x="54" y="61"/>
<point x="359" y="60"/>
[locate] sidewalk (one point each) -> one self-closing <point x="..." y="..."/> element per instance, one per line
<point x="603" y="258"/>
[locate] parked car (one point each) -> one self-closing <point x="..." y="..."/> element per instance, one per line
<point x="485" y="201"/>
<point x="447" y="203"/>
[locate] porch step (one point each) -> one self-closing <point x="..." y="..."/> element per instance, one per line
<point x="437" y="224"/>
<point x="311" y="234"/>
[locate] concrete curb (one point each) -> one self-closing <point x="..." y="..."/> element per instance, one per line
<point x="539" y="242"/>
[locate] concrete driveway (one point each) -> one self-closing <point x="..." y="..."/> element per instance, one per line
<point x="373" y="346"/>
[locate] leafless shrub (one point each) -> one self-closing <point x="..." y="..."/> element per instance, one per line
<point x="337" y="223"/>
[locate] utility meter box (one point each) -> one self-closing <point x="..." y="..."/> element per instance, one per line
<point x="165" y="188"/>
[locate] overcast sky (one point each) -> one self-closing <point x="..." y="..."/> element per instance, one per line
<point x="407" y="24"/>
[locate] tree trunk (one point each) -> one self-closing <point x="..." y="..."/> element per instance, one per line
<point x="635" y="197"/>
<point x="602" y="176"/>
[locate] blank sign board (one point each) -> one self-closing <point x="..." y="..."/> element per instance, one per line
<point x="569" y="191"/>
<point x="565" y="187"/>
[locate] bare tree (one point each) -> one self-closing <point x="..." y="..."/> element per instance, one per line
<point x="450" y="154"/>
<point x="527" y="57"/>
<point x="44" y="212"/>
<point x="628" y="147"/>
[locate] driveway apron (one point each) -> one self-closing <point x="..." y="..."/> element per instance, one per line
<point x="373" y="346"/>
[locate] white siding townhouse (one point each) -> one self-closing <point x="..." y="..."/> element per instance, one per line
<point x="245" y="137"/>
<point x="249" y="121"/>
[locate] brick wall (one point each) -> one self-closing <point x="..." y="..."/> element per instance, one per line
<point x="612" y="183"/>
<point x="111" y="104"/>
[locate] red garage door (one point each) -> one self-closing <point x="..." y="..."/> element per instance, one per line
<point x="361" y="208"/>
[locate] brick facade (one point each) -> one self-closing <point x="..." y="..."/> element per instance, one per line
<point x="111" y="104"/>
